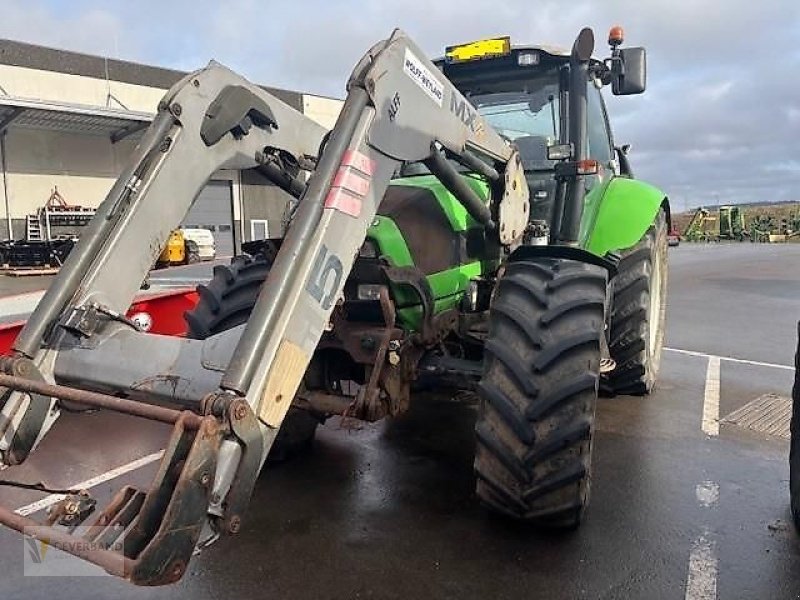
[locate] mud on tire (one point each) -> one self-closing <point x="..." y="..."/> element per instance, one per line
<point x="226" y="302"/>
<point x="638" y="312"/>
<point x="539" y="390"/>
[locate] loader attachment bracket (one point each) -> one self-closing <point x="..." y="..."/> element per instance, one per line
<point x="81" y="321"/>
<point x="34" y="416"/>
<point x="164" y="534"/>
<point x="147" y="537"/>
<point x="244" y="425"/>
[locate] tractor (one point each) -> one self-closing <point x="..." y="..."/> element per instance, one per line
<point x="523" y="94"/>
<point x="468" y="224"/>
<point x="701" y="227"/>
<point x="731" y="224"/>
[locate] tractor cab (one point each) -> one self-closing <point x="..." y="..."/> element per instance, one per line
<point x="523" y="92"/>
<point x="545" y="100"/>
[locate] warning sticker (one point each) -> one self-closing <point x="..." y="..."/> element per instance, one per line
<point x="343" y="201"/>
<point x="351" y="183"/>
<point x="420" y="75"/>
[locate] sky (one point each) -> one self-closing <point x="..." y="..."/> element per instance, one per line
<point x="719" y="123"/>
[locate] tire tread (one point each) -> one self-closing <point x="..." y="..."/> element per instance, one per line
<point x="539" y="389"/>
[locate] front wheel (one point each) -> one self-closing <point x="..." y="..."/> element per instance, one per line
<point x="638" y="312"/>
<point x="539" y="390"/>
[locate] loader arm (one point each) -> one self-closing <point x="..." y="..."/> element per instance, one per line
<point x="399" y="108"/>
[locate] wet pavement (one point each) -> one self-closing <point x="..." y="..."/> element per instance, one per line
<point x="387" y="511"/>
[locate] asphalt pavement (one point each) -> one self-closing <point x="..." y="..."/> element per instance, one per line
<point x="684" y="503"/>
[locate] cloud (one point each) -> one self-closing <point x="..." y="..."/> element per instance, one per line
<point x="722" y="108"/>
<point x="93" y="30"/>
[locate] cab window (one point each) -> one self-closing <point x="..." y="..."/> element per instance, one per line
<point x="598" y="138"/>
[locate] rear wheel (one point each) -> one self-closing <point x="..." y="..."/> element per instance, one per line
<point x="638" y="312"/>
<point x="226" y="302"/>
<point x="539" y="390"/>
<point x="794" y="448"/>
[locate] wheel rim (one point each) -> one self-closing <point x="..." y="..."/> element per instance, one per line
<point x="654" y="309"/>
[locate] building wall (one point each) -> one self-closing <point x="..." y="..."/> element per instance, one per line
<point x="84" y="167"/>
<point x="78" y="89"/>
<point x="263" y="201"/>
<point x="40" y="58"/>
<point x="323" y="110"/>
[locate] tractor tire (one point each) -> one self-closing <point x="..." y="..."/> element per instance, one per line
<point x="226" y="302"/>
<point x="638" y="312"/>
<point x="794" y="447"/>
<point x="539" y="390"/>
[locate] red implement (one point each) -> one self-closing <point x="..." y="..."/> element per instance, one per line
<point x="165" y="310"/>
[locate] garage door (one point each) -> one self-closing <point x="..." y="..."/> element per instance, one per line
<point x="212" y="210"/>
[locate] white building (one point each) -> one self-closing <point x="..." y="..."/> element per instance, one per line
<point x="71" y="120"/>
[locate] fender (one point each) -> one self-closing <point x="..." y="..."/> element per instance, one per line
<point x="618" y="213"/>
<point x="569" y="252"/>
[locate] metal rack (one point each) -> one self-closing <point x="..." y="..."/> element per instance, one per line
<point x="56" y="213"/>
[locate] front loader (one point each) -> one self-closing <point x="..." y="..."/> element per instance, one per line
<point x="415" y="255"/>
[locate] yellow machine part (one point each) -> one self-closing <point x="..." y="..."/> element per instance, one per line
<point x="174" y="253"/>
<point x="480" y="49"/>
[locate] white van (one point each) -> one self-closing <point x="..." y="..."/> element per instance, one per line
<point x="206" y="247"/>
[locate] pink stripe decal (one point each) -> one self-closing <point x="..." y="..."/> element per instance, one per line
<point x="341" y="200"/>
<point x="353" y="158"/>
<point x="351" y="180"/>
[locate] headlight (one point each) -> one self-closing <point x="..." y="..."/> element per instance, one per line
<point x="527" y="59"/>
<point x="369" y="291"/>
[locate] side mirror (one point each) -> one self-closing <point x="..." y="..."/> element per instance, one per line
<point x="630" y="76"/>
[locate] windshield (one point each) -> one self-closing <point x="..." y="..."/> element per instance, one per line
<point x="529" y="119"/>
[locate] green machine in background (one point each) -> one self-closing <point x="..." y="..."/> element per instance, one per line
<point x="701" y="227"/>
<point x="731" y="223"/>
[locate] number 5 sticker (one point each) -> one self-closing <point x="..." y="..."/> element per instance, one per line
<point x="324" y="264"/>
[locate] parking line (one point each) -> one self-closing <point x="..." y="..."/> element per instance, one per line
<point x="29" y="509"/>
<point x="711" y="398"/>
<point x="701" y="583"/>
<point x="744" y="361"/>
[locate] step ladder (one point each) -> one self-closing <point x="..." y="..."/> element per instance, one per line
<point x="33" y="229"/>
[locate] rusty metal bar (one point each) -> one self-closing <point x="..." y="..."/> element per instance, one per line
<point x="113" y="562"/>
<point x="96" y="400"/>
<point x="325" y="403"/>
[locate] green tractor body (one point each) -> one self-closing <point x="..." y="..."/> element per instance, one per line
<point x="618" y="209"/>
<point x="616" y="215"/>
<point x="536" y="329"/>
<point x="428" y="229"/>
